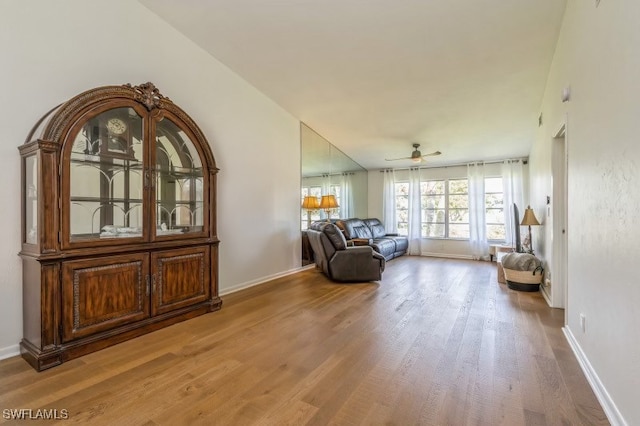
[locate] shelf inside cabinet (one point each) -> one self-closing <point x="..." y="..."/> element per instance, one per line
<point x="104" y="200"/>
<point x="98" y="161"/>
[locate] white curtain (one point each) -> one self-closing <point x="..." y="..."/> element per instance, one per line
<point x="477" y="222"/>
<point x="346" y="196"/>
<point x="326" y="190"/>
<point x="512" y="187"/>
<point x="415" y="213"/>
<point x="389" y="202"/>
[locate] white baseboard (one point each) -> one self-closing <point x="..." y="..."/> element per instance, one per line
<point x="263" y="280"/>
<point x="609" y="407"/>
<point x="9" y="351"/>
<point x="447" y="255"/>
<point x="545" y="294"/>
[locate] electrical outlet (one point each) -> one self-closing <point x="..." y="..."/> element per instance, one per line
<point x="582" y="322"/>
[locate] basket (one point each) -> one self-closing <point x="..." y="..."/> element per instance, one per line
<point x="524" y="280"/>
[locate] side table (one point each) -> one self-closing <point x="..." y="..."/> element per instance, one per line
<point x="359" y="242"/>
<point x="498" y="248"/>
<point x="499" y="268"/>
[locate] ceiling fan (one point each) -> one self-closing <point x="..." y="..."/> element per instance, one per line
<point x="416" y="155"/>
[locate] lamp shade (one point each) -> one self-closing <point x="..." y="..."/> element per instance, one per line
<point x="328" y="202"/>
<point x="529" y="218"/>
<point x="310" y="202"/>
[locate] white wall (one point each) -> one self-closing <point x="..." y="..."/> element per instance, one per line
<point x="598" y="55"/>
<point x="52" y="51"/>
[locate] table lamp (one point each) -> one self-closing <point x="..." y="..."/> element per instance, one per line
<point x="327" y="203"/>
<point x="310" y="203"/>
<point x="529" y="219"/>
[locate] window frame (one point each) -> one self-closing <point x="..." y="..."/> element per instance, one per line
<point x="424" y="197"/>
<point x="448" y="209"/>
<point x="397" y="209"/>
<point x="423" y="202"/>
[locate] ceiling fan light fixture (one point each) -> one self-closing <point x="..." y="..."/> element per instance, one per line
<point x="416" y="155"/>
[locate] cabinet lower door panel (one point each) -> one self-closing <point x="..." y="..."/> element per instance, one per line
<point x="180" y="278"/>
<point x="102" y="293"/>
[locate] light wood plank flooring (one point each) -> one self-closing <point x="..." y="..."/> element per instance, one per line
<point x="436" y="342"/>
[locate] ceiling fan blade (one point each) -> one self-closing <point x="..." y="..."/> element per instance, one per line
<point x="395" y="159"/>
<point x="415" y="157"/>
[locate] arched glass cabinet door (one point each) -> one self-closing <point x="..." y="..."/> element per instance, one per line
<point x="106" y="175"/>
<point x="179" y="180"/>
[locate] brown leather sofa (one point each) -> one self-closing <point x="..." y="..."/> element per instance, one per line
<point x="339" y="262"/>
<point x="372" y="231"/>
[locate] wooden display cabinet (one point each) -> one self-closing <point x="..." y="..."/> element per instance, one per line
<point x="119" y="225"/>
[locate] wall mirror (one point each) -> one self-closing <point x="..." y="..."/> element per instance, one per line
<point x="328" y="171"/>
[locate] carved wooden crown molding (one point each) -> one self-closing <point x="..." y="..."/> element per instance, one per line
<point x="60" y="119"/>
<point x="148" y="95"/>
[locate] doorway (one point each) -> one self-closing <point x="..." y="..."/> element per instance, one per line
<point x="557" y="286"/>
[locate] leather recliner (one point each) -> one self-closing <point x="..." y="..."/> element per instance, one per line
<point x="342" y="263"/>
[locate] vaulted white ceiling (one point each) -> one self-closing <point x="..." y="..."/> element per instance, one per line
<point x="465" y="77"/>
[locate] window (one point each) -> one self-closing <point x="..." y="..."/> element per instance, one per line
<point x="444" y="206"/>
<point x="458" y="205"/>
<point x="434" y="211"/>
<point x="402" y="208"/>
<point x="494" y="204"/>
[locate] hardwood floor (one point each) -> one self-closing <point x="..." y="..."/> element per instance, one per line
<point x="436" y="342"/>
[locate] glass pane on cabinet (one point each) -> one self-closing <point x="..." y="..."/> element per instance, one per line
<point x="106" y="182"/>
<point x="179" y="182"/>
<point x="31" y="200"/>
